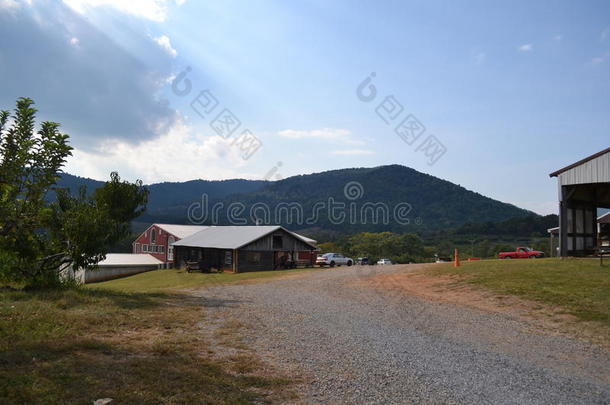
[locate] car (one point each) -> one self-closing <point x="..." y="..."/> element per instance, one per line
<point x="363" y="261"/>
<point x="521" y="253"/>
<point x="333" y="259"/>
<point x="383" y="262"/>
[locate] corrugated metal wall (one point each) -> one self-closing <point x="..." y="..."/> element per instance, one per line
<point x="594" y="171"/>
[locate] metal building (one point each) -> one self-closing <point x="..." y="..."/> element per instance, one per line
<point x="584" y="187"/>
<point x="244" y="248"/>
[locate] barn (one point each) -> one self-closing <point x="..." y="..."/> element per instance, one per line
<point x="245" y="248"/>
<point x="157" y="240"/>
<point x="583" y="187"/>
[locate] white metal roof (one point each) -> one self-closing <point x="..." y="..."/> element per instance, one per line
<point x="592" y="169"/>
<point x="181" y="231"/>
<point x="230" y="237"/>
<point x="128" y="259"/>
<point x="305" y="238"/>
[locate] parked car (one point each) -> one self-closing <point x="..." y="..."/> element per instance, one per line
<point x="363" y="261"/>
<point x="521" y="253"/>
<point x="383" y="262"/>
<point x="333" y="259"/>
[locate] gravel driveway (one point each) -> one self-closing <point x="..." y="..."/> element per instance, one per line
<point x="354" y="344"/>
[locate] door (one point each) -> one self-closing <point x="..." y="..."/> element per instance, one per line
<point x="170" y="248"/>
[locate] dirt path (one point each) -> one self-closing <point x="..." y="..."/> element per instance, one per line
<point x="354" y="336"/>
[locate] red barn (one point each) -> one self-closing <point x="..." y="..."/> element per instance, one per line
<point x="158" y="238"/>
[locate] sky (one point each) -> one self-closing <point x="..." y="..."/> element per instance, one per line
<point x="486" y="94"/>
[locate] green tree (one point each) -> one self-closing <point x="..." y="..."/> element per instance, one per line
<point x="38" y="238"/>
<point x="399" y="248"/>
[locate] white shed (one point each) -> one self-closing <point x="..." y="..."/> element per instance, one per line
<point x="584" y="187"/>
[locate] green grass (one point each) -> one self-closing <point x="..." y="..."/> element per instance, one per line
<point x="77" y="345"/>
<point x="135" y="339"/>
<point x="169" y="280"/>
<point x="580" y="286"/>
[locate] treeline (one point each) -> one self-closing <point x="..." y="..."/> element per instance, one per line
<point x="400" y="248"/>
<point x="483" y="240"/>
<point x="530" y="226"/>
<point x="410" y="248"/>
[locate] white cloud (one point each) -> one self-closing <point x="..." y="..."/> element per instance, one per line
<point x="9" y="5"/>
<point x="324" y="133"/>
<point x="178" y="155"/>
<point x="352" y="152"/>
<point x="165" y="43"/>
<point x="558" y="37"/>
<point x="600" y="59"/>
<point x="525" y="47"/>
<point x="74" y="88"/>
<point x="155" y="10"/>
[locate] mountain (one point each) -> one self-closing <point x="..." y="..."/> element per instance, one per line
<point x="401" y="199"/>
<point x="435" y="203"/>
<point x="169" y="195"/>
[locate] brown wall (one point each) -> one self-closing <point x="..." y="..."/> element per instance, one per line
<point x="207" y="258"/>
<point x="244" y="262"/>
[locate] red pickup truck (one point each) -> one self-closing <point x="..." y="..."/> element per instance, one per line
<point x="521" y="253"/>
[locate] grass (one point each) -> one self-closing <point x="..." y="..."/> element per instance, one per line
<point x="171" y="280"/>
<point x="580" y="286"/>
<point x="77" y="345"/>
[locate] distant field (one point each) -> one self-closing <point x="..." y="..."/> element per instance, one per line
<point x="168" y="280"/>
<point x="580" y="286"/>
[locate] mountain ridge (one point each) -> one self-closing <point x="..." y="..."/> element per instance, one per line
<point x="434" y="203"/>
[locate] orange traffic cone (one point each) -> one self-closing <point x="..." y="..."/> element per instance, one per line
<point x="456" y="258"/>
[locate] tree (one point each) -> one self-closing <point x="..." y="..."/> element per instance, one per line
<point x="403" y="248"/>
<point x="37" y="238"/>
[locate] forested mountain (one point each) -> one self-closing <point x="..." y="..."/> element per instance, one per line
<point x="427" y="202"/>
<point x="171" y="195"/>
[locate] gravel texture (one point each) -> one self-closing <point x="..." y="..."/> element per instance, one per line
<point x="354" y="344"/>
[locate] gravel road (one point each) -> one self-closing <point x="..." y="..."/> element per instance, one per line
<point x="355" y="344"/>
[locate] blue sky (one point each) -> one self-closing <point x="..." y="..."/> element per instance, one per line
<point x="512" y="90"/>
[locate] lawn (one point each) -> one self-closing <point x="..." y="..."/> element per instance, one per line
<point x="134" y="340"/>
<point x="172" y="280"/>
<point x="580" y="286"/>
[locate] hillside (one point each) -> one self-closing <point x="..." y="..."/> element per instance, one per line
<point x="174" y="195"/>
<point x="435" y="203"/>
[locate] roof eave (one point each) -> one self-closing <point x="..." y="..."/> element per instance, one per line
<point x="580" y="162"/>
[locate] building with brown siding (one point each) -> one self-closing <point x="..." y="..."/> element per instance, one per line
<point x="245" y="248"/>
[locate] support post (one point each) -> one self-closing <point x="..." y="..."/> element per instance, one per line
<point x="563" y="223"/>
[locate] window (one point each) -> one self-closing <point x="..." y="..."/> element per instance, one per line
<point x="228" y="258"/>
<point x="161" y="249"/>
<point x="153" y="236"/>
<point x="144" y="248"/>
<point x="277" y="242"/>
<point x="137" y="248"/>
<point x="170" y="248"/>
